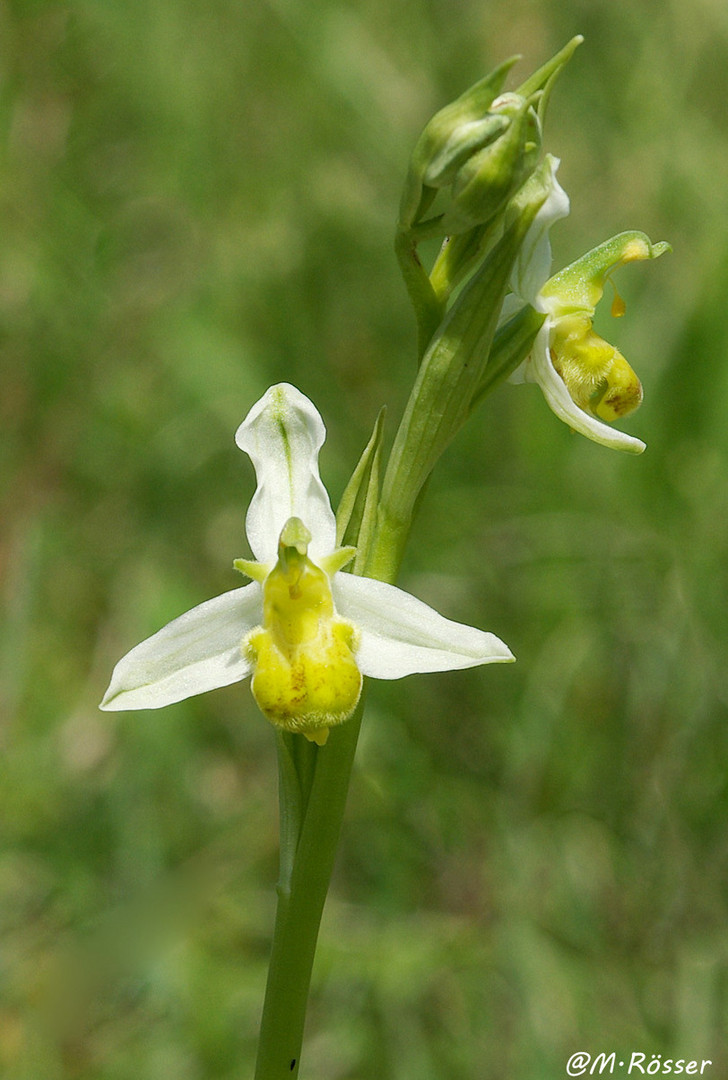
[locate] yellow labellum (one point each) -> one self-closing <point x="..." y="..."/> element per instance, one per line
<point x="597" y="376"/>
<point x="305" y="677"/>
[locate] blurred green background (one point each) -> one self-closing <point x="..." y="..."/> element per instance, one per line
<point x="197" y="201"/>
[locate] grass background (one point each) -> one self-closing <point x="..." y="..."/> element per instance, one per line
<point x="197" y="200"/>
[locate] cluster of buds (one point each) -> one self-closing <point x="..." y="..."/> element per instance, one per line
<point x="482" y="147"/>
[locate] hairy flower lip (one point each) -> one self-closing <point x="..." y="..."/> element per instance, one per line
<point x="397" y="635"/>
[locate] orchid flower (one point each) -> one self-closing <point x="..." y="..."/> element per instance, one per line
<point x="584" y="379"/>
<point x="304" y="630"/>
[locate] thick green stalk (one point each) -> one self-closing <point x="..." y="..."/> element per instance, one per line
<point x="301" y="896"/>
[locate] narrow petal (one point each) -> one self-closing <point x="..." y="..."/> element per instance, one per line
<point x="283" y="434"/>
<point x="198" y="651"/>
<point x="581" y="284"/>
<point x="533" y="264"/>
<point x="542" y="371"/>
<point x="399" y="635"/>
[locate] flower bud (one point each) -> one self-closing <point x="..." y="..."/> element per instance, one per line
<point x="488" y="178"/>
<point x="457" y="131"/>
<point x="485" y="144"/>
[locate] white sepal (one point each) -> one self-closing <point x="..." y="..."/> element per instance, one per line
<point x="400" y="635"/>
<point x="196" y="652"/>
<point x="533" y="264"/>
<point x="283" y="434"/>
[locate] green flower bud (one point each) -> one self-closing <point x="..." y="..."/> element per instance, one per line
<point x="453" y="134"/>
<point x="485" y="144"/>
<point x="543" y="80"/>
<point x="489" y="178"/>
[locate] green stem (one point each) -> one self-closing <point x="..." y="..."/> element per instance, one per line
<point x="511" y="345"/>
<point x="301" y="896"/>
<point x="388" y="547"/>
<point x="439" y="403"/>
<point x="296" y="766"/>
<point x="313" y="785"/>
<point x="458" y="256"/>
<point x="428" y="309"/>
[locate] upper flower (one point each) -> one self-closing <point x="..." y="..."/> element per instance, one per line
<point x="304" y="631"/>
<point x="584" y="379"/>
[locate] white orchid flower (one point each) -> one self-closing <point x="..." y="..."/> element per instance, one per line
<point x="584" y="379"/>
<point x="304" y="631"/>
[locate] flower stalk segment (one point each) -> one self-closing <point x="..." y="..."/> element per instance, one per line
<point x="308" y="851"/>
<point x="451" y="372"/>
